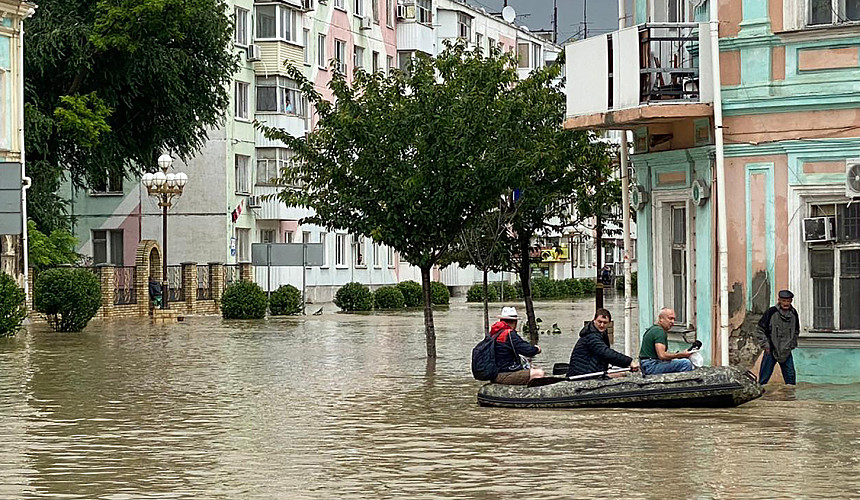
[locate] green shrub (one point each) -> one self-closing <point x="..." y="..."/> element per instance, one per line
<point x="69" y="297"/>
<point x="439" y="294"/>
<point x="354" y="297"/>
<point x="518" y="287"/>
<point x="285" y="301"/>
<point x="544" y="288"/>
<point x="412" y="293"/>
<point x="510" y="293"/>
<point x="476" y="293"/>
<point x="13" y="309"/>
<point x="619" y="282"/>
<point x="588" y="285"/>
<point x="388" y="297"/>
<point x="244" y="300"/>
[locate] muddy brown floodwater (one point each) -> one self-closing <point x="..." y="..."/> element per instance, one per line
<point x="346" y="406"/>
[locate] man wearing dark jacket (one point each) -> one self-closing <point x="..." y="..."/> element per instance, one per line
<point x="509" y="347"/>
<point x="592" y="352"/>
<point x="778" y="330"/>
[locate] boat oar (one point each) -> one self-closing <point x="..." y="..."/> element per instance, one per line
<point x="537" y="382"/>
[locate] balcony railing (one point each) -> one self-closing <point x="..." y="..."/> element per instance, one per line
<point x="665" y="63"/>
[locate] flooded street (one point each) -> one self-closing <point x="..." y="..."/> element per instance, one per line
<point x="346" y="406"/>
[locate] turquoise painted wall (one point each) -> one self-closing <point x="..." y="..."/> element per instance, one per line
<point x="822" y="365"/>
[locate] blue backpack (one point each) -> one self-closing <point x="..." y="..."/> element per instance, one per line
<point x="484" y="358"/>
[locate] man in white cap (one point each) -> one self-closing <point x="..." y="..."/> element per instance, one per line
<point x="509" y="347"/>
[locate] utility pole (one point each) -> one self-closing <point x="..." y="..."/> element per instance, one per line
<point x="554" y="21"/>
<point x="584" y="19"/>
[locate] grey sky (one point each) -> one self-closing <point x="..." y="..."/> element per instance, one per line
<point x="602" y="14"/>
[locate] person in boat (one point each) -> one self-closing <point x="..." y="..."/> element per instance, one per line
<point x="592" y="353"/>
<point x="509" y="347"/>
<point x="654" y="356"/>
<point x="778" y="330"/>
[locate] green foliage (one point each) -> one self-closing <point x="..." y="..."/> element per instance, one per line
<point x="588" y="285"/>
<point x="244" y="300"/>
<point x="110" y="84"/>
<point x="412" y="293"/>
<point x="13" y="308"/>
<point x="545" y="288"/>
<point x="476" y="293"/>
<point x="69" y="297"/>
<point x="571" y="287"/>
<point x="388" y="297"/>
<point x="619" y="282"/>
<point x="439" y="294"/>
<point x="49" y="251"/>
<point x="354" y="296"/>
<point x="510" y="292"/>
<point x="285" y="301"/>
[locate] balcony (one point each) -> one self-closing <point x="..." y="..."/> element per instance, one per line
<point x="295" y="125"/>
<point x="645" y="74"/>
<point x="415" y="36"/>
<point x="272" y="208"/>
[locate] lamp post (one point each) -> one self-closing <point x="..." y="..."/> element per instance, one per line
<point x="164" y="187"/>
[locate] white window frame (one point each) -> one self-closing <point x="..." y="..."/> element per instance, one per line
<point x="270" y="163"/>
<point x="306" y="42"/>
<point x="287" y="23"/>
<point x="243" y="244"/>
<point x="392" y="261"/>
<point x="377" y="261"/>
<point x="340" y="250"/>
<point x="326" y="250"/>
<point x="374" y="61"/>
<point x="524" y="63"/>
<point x="289" y="100"/>
<point x="389" y="63"/>
<point x="662" y="272"/>
<point x="358" y="252"/>
<point x="837" y="13"/>
<point x="389" y="13"/>
<point x="241" y="169"/>
<point x="113" y="186"/>
<point x="321" y="52"/>
<point x="464" y="26"/>
<point x="268" y="235"/>
<point x="358" y="8"/>
<point x="340" y="4"/>
<point x="340" y="55"/>
<point x="110" y="249"/>
<point x="357" y="57"/>
<point x="240" y="19"/>
<point x="424" y="12"/>
<point x="241" y="100"/>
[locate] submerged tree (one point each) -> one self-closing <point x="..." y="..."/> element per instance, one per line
<point x="110" y="84"/>
<point x="410" y="159"/>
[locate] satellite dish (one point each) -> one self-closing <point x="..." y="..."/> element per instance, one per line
<point x="509" y="14"/>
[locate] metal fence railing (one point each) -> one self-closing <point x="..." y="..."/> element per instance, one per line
<point x="175" y="291"/>
<point x="231" y="274"/>
<point x="124" y="291"/>
<point x="204" y="287"/>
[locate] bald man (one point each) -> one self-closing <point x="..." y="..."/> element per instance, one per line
<point x="654" y="357"/>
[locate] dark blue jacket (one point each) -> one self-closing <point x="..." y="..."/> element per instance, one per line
<point x="593" y="354"/>
<point x="506" y="359"/>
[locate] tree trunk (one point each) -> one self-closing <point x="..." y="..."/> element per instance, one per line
<point x="525" y="280"/>
<point x="486" y="305"/>
<point x="429" y="329"/>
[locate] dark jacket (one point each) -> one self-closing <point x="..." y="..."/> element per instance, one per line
<point x="506" y="359"/>
<point x="593" y="354"/>
<point x="154" y="289"/>
<point x="781" y="347"/>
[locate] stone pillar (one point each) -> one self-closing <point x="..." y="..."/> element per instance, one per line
<point x="189" y="285"/>
<point x="246" y="271"/>
<point x="216" y="281"/>
<point x="107" y="273"/>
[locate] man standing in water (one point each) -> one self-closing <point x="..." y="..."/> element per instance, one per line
<point x="777" y="332"/>
<point x="654" y="357"/>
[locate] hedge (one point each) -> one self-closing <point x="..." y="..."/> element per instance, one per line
<point x="354" y="296"/>
<point x="69" y="297"/>
<point x="244" y="300"/>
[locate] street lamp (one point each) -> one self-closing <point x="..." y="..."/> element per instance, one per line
<point x="164" y="187"/>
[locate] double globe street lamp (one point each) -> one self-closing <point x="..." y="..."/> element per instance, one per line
<point x="164" y="187"/>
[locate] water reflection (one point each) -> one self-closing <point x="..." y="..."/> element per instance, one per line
<point x="348" y="406"/>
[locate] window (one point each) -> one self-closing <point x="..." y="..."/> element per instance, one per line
<point x="321" y="58"/>
<point x="240" y="18"/>
<point x="464" y="26"/>
<point x="390" y="257"/>
<point x="583" y="252"/>
<point x="358" y="251"/>
<point x="479" y="40"/>
<point x="279" y="95"/>
<point x="111" y="183"/>
<point x="267" y="236"/>
<point x="306" y="42"/>
<point x="523" y="55"/>
<point x="107" y="247"/>
<point x="288" y="236"/>
<point x="424" y="11"/>
<point x="403" y="63"/>
<point x="340" y="250"/>
<point x="833" y="11"/>
<point x="835" y="270"/>
<point x="306" y="236"/>
<point x="389" y="13"/>
<point x="375" y="8"/>
<point x="679" y="262"/>
<point x="241" y="97"/>
<point x="491" y="43"/>
<point x="389" y="63"/>
<point x="535" y="55"/>
<point x="271" y="162"/>
<point x="358" y="6"/>
<point x="324" y="243"/>
<point x="374" y="61"/>
<point x="340" y="4"/>
<point x="243" y="245"/>
<point x="276" y="22"/>
<point x="241" y="167"/>
<point x="377" y="262"/>
<point x="357" y="57"/>
<point x="340" y="55"/>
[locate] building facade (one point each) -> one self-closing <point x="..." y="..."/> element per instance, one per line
<point x="224" y="209"/>
<point x="787" y="108"/>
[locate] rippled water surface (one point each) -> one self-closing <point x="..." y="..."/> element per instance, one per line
<point x="346" y="406"/>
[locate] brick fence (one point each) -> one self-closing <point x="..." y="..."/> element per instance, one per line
<point x="125" y="290"/>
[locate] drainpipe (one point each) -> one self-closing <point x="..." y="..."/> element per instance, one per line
<point x="625" y="210"/>
<point x="25" y="181"/>
<point x="722" y="226"/>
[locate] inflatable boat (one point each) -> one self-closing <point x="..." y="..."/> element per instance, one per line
<point x="711" y="387"/>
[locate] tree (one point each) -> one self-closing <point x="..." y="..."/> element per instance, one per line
<point x="50" y="250"/>
<point x="111" y="84"/>
<point x="408" y="159"/>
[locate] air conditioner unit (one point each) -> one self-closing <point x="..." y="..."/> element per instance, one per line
<point x="852" y="178"/>
<point x="366" y="23"/>
<point x="308" y="5"/>
<point x="401" y="12"/>
<point x="255" y="202"/>
<point x="817" y="229"/>
<point x="253" y="53"/>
